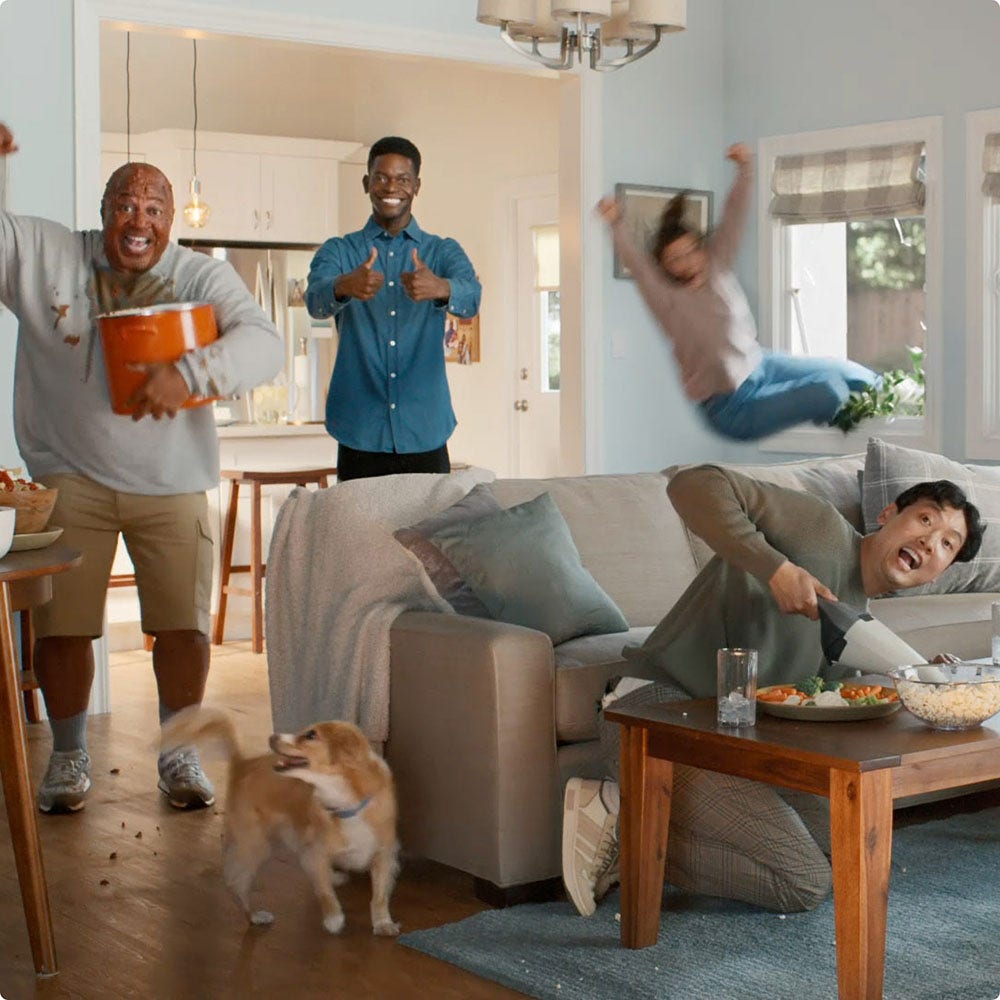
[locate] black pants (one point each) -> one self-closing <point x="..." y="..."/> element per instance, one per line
<point x="352" y="464"/>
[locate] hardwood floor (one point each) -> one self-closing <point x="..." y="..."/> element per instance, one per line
<point x="139" y="906"/>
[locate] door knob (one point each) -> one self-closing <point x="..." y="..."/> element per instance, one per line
<point x="521" y="405"/>
<point x="524" y="374"/>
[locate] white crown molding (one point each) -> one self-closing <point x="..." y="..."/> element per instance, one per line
<point x="287" y="26"/>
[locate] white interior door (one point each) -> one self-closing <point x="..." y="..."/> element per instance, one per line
<point x="536" y="378"/>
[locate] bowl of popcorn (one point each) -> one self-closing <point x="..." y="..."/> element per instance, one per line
<point x="949" y="695"/>
<point x="31" y="501"/>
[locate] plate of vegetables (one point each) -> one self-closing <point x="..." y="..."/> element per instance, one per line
<point x="814" y="699"/>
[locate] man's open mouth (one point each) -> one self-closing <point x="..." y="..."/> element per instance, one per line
<point x="137" y="244"/>
<point x="910" y="558"/>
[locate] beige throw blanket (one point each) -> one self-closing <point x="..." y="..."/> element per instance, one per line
<point x="336" y="580"/>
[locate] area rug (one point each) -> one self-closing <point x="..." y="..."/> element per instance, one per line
<point x="943" y="940"/>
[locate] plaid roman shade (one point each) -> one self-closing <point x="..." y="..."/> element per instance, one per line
<point x="991" y="166"/>
<point x="877" y="182"/>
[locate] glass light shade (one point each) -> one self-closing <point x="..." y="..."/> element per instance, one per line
<point x="498" y="11"/>
<point x="196" y="211"/>
<point x="593" y="11"/>
<point x="670" y="15"/>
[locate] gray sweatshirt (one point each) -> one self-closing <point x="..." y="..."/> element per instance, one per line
<point x="753" y="527"/>
<point x="56" y="281"/>
<point x="711" y="329"/>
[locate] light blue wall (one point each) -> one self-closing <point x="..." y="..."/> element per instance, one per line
<point x="798" y="65"/>
<point x="36" y="100"/>
<point x="663" y="125"/>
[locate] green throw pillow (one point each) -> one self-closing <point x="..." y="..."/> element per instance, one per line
<point x="523" y="565"/>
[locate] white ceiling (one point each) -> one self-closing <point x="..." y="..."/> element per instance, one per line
<point x="290" y="89"/>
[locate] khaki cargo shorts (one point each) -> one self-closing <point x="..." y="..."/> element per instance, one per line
<point x="170" y="544"/>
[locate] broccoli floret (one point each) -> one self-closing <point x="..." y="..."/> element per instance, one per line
<point x="810" y="686"/>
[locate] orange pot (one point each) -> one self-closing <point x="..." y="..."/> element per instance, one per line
<point x="149" y="335"/>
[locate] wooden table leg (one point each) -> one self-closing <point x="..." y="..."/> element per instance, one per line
<point x="257" y="570"/>
<point x="646" y="788"/>
<point x="226" y="563"/>
<point x="861" y="838"/>
<point x="18" y="796"/>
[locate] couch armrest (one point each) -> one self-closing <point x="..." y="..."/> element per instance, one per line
<point x="472" y="745"/>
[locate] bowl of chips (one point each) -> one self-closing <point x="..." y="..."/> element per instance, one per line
<point x="31" y="501"/>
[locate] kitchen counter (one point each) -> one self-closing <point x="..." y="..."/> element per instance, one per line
<point x="244" y="430"/>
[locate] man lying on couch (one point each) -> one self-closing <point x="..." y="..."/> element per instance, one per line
<point x="777" y="550"/>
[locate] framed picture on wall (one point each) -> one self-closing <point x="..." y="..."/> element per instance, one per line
<point x="461" y="339"/>
<point x="642" y="206"/>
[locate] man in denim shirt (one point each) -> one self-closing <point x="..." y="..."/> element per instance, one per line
<point x="389" y="286"/>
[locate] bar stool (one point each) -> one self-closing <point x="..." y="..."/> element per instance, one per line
<point x="256" y="567"/>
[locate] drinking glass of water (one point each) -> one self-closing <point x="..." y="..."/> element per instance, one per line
<point x="737" y="690"/>
<point x="995" y="650"/>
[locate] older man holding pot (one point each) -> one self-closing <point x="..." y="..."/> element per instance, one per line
<point x="143" y="476"/>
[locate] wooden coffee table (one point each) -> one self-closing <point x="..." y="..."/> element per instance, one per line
<point x="862" y="767"/>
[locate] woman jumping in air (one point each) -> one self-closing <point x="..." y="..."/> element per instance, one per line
<point x="688" y="284"/>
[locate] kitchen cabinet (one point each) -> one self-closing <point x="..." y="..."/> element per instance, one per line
<point x="260" y="189"/>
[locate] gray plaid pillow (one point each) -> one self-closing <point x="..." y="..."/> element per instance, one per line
<point x="890" y="469"/>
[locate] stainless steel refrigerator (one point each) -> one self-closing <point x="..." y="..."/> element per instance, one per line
<point x="276" y="276"/>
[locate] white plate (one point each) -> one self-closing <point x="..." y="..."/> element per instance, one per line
<point x="34" y="540"/>
<point x="826" y="713"/>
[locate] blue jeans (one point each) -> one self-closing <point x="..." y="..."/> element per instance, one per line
<point x="784" y="391"/>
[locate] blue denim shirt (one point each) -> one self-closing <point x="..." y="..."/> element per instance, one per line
<point x="389" y="391"/>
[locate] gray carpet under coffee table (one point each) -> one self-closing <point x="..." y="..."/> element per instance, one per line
<point x="943" y="939"/>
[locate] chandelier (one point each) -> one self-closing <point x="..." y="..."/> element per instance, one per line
<point x="608" y="34"/>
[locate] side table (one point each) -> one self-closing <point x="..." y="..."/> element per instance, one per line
<point x="25" y="581"/>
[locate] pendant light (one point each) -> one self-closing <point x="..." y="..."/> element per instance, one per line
<point x="196" y="211"/>
<point x="128" y="96"/>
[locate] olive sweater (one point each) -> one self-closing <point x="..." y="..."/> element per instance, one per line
<point x="753" y="527"/>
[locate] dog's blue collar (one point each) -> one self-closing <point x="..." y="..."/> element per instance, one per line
<point x="348" y="813"/>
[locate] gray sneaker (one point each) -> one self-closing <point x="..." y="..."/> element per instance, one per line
<point x="183" y="781"/>
<point x="66" y="782"/>
<point x="589" y="844"/>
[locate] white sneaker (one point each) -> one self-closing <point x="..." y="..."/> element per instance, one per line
<point x="183" y="781"/>
<point x="66" y="782"/>
<point x="589" y="843"/>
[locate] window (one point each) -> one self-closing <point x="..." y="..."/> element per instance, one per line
<point x="546" y="239"/>
<point x="849" y="261"/>
<point x="983" y="292"/>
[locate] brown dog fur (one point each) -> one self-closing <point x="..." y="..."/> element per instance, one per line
<point x="292" y="796"/>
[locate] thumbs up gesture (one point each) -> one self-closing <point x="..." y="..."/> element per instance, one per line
<point x="362" y="283"/>
<point x="422" y="284"/>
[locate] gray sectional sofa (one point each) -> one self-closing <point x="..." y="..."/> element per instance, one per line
<point x="488" y="720"/>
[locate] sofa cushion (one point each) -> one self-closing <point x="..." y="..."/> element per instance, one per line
<point x="522" y="564"/>
<point x="890" y="469"/>
<point x="583" y="668"/>
<point x="627" y="532"/>
<point x="477" y="503"/>
<point x="834" y="479"/>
